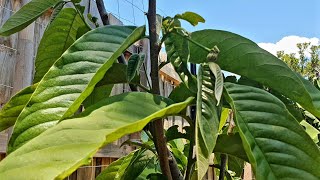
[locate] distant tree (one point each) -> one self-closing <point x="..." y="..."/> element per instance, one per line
<point x="308" y="67"/>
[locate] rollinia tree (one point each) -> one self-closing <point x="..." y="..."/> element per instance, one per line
<point x="77" y="65"/>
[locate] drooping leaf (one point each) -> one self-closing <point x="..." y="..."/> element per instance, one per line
<point x="244" y="57"/>
<point x="56" y="10"/>
<point x="71" y="80"/>
<point x="191" y="17"/>
<point x="235" y="165"/>
<point x="134" y="65"/>
<point x="232" y="145"/>
<point x="26" y="15"/>
<point x="177" y="49"/>
<point x="207" y="120"/>
<point x="11" y="110"/>
<point x="58" y="37"/>
<point x="128" y="167"/>
<point x="276" y="145"/>
<point x="218" y="86"/>
<point x="73" y="142"/>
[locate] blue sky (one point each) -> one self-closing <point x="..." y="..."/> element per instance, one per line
<point x="259" y="20"/>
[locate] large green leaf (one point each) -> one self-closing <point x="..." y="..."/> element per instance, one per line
<point x="58" y="37"/>
<point x="128" y="167"/>
<point x="60" y="150"/>
<point x="242" y="56"/>
<point x="26" y="15"/>
<point x="276" y="145"/>
<point x="207" y="120"/>
<point x="10" y="112"/>
<point x="71" y="80"/>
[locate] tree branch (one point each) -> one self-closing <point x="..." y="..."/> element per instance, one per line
<point x="224" y="159"/>
<point x="157" y="128"/>
<point x="102" y="11"/>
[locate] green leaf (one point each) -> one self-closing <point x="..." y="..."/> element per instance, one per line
<point x="128" y="167"/>
<point x="26" y="15"/>
<point x="218" y="86"/>
<point x="181" y="93"/>
<point x="191" y="17"/>
<point x="57" y="9"/>
<point x="10" y="112"/>
<point x="98" y="94"/>
<point x="235" y="165"/>
<point x="223" y="118"/>
<point x="72" y="143"/>
<point x="232" y="145"/>
<point x="71" y="80"/>
<point x="177" y="49"/>
<point x="134" y="65"/>
<point x="207" y="120"/>
<point x="243" y="57"/>
<point x="276" y="145"/>
<point x="58" y="37"/>
<point x="313" y="132"/>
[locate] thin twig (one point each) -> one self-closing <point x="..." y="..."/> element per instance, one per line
<point x="224" y="159"/>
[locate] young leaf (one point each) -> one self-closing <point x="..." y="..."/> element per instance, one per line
<point x="72" y="143"/>
<point x="276" y="144"/>
<point x="181" y="93"/>
<point x="134" y="65"/>
<point x="58" y="37"/>
<point x="26" y="15"/>
<point x="207" y="120"/>
<point x="10" y="112"/>
<point x="71" y="80"/>
<point x="244" y="57"/>
<point x="218" y="86"/>
<point x="191" y="17"/>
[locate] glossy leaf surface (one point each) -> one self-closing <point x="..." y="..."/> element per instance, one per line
<point x="72" y="143"/>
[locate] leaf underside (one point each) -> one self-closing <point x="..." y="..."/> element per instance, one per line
<point x="207" y="121"/>
<point x="276" y="145"/>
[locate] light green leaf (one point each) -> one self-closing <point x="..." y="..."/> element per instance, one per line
<point x="72" y="143"/>
<point x="232" y="145"/>
<point x="11" y="110"/>
<point x="191" y="17"/>
<point x="313" y="132"/>
<point x="276" y="144"/>
<point x="71" y="80"/>
<point x="58" y="37"/>
<point x="26" y="15"/>
<point x="134" y="65"/>
<point x="218" y="86"/>
<point x="244" y="57"/>
<point x="128" y="167"/>
<point x="207" y="120"/>
<point x="223" y="118"/>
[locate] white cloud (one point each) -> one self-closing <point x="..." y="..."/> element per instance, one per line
<point x="288" y="44"/>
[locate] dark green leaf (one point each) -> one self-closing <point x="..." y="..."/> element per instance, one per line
<point x="26" y="15"/>
<point x="10" y="112"/>
<point x="207" y="120"/>
<point x="97" y="95"/>
<point x="232" y="145"/>
<point x="242" y="56"/>
<point x="191" y="17"/>
<point x="73" y="143"/>
<point x="71" y="80"/>
<point x="276" y="145"/>
<point x="134" y="65"/>
<point x="181" y="93"/>
<point x="58" y="37"/>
